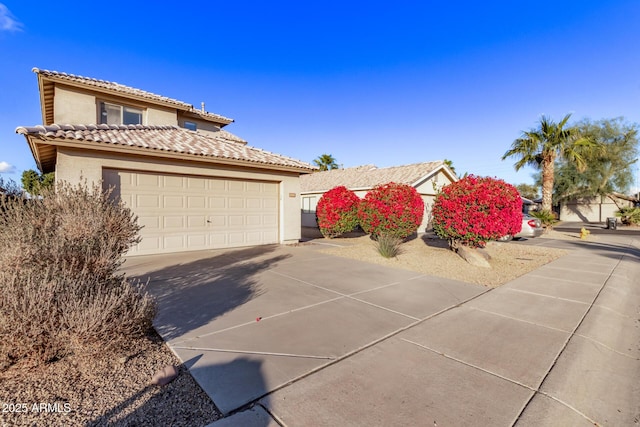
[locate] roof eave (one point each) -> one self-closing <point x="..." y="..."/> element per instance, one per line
<point x="36" y="140"/>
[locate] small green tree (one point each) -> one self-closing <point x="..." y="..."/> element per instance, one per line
<point x="608" y="171"/>
<point x="528" y="191"/>
<point x="35" y="183"/>
<point x="325" y="162"/>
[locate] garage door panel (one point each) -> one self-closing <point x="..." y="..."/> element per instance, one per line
<point x="174" y="222"/>
<point x="270" y="204"/>
<point x="176" y="202"/>
<point x="217" y="185"/>
<point x="218" y="221"/>
<point x="270" y="237"/>
<point x="175" y="182"/>
<point x="254" y="203"/>
<point x="149" y="244"/>
<point x="196" y="183"/>
<point x="235" y="186"/>
<point x="148" y="180"/>
<point x="197" y="221"/>
<point x="254" y="237"/>
<point x="173" y="242"/>
<point x="196" y="202"/>
<point x="236" y="238"/>
<point x="235" y="220"/>
<point x="147" y="201"/>
<point x="253" y="187"/>
<point x="149" y="223"/>
<point x="218" y="240"/>
<point x="181" y="213"/>
<point x="270" y="220"/>
<point x="236" y="203"/>
<point x="198" y="241"/>
<point x="253" y="220"/>
<point x="217" y="202"/>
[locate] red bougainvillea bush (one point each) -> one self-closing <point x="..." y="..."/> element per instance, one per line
<point x="391" y="209"/>
<point x="337" y="212"/>
<point x="477" y="209"/>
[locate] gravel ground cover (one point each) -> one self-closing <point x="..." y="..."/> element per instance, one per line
<point x="115" y="390"/>
<point x="429" y="255"/>
<point x="104" y="390"/>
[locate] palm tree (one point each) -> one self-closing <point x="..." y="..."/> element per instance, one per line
<point x="326" y="162"/>
<point x="450" y="164"/>
<point x="541" y="147"/>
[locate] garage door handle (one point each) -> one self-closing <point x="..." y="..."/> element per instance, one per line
<point x="209" y="221"/>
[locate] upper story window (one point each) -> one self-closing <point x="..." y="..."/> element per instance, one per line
<point x="191" y="125"/>
<point x="114" y="114"/>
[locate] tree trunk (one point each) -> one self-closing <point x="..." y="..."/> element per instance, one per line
<point x="547" y="181"/>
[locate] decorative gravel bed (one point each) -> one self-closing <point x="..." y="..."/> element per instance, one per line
<point x="104" y="390"/>
<point x="430" y="255"/>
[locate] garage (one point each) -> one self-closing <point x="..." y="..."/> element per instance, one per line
<point x="188" y="212"/>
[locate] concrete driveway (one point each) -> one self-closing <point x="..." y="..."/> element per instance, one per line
<point x="287" y="335"/>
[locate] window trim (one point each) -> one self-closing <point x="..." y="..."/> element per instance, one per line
<point x="195" y="125"/>
<point x="101" y="102"/>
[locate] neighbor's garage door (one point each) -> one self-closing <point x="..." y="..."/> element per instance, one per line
<point x="184" y="213"/>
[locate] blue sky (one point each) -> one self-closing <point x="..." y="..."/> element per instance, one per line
<point x="387" y="83"/>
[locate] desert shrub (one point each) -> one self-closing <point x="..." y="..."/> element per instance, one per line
<point x="391" y="209"/>
<point x="388" y="245"/>
<point x="547" y="218"/>
<point x="337" y="212"/>
<point x="59" y="256"/>
<point x="629" y="215"/>
<point x="476" y="209"/>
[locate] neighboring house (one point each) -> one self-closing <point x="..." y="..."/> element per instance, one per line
<point x="592" y="209"/>
<point x="527" y="205"/>
<point x="192" y="185"/>
<point x="427" y="178"/>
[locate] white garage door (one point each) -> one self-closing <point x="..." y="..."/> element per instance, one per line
<point x="184" y="213"/>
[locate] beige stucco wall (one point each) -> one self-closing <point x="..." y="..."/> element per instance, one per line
<point x="76" y="166"/>
<point x="73" y="107"/>
<point x="202" y="125"/>
<point x="157" y="116"/>
<point x="79" y="107"/>
<point x="590" y="210"/>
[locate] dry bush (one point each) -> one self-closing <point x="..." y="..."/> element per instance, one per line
<point x="59" y="256"/>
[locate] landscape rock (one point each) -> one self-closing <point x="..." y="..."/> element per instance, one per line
<point x="477" y="257"/>
<point x="165" y="375"/>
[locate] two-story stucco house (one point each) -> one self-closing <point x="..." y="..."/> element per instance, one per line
<point x="192" y="184"/>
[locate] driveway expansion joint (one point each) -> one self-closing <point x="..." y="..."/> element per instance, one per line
<point x="546" y="296"/>
<point x="563" y="348"/>
<point x="262" y="353"/>
<point x="519" y="320"/>
<point x="600" y="343"/>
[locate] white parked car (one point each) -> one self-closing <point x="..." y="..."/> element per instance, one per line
<point x="531" y="227"/>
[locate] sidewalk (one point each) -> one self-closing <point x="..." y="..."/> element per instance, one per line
<point x="556" y="347"/>
<point x="515" y="354"/>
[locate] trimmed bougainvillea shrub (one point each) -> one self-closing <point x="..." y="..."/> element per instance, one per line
<point x="391" y="209"/>
<point x="337" y="212"/>
<point x="477" y="209"/>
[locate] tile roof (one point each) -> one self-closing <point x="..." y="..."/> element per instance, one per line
<point x="129" y="91"/>
<point x="368" y="176"/>
<point x="221" y="145"/>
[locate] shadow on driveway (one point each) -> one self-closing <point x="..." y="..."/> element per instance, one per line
<point x="192" y="294"/>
